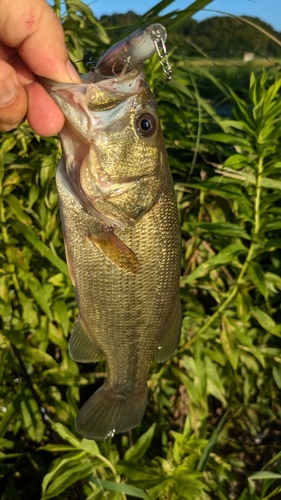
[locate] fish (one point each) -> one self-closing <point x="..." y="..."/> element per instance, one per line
<point x="121" y="231"/>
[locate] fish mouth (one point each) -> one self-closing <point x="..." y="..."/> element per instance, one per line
<point x="89" y="107"/>
<point x="92" y="104"/>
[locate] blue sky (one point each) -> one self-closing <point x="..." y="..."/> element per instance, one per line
<point x="267" y="10"/>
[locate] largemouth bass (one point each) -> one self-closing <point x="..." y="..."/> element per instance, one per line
<point x="121" y="231"/>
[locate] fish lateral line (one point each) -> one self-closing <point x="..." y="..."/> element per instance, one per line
<point x="116" y="250"/>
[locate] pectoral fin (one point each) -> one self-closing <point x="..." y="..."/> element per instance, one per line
<point x="116" y="251"/>
<point x="81" y="346"/>
<point x="168" y="344"/>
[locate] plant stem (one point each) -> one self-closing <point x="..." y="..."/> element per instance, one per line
<point x="108" y="464"/>
<point x="199" y="130"/>
<point x="246" y="264"/>
<point x="258" y="197"/>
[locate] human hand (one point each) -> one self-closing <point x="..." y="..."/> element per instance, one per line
<point x="31" y="45"/>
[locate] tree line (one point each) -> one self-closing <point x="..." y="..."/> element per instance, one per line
<point x="216" y="37"/>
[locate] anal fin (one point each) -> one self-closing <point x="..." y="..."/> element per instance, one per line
<point x="116" y="251"/>
<point x="81" y="346"/>
<point x="169" y="342"/>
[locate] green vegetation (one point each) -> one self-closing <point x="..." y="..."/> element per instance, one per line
<point x="213" y="421"/>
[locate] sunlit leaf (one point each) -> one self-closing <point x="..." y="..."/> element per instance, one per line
<point x="60" y="479"/>
<point x="120" y="488"/>
<point x="224" y="257"/>
<point x="266" y="322"/>
<point x="137" y="451"/>
<point x="30" y="235"/>
<point x="264" y="475"/>
<point x="229" y="343"/>
<point x="257" y="277"/>
<point x="17" y="210"/>
<point x="224" y="229"/>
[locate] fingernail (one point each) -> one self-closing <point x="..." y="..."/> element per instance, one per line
<point x="8" y="91"/>
<point x="72" y="72"/>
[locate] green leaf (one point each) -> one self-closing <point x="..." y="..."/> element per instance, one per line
<point x="61" y="464"/>
<point x="90" y="447"/>
<point x="40" y="293"/>
<point x="274" y="278"/>
<point x="61" y="311"/>
<point x="30" y="312"/>
<point x="141" y="474"/>
<point x="7" y="444"/>
<point x="200" y="379"/>
<point x="236" y="161"/>
<point x="16" y="207"/>
<point x="8" y="415"/>
<point x="215" y="385"/>
<point x="120" y="488"/>
<point x="227" y="189"/>
<point x="272" y="494"/>
<point x="256" y="274"/>
<point x="55" y="448"/>
<point x="242" y="112"/>
<point x="276" y="372"/>
<point x="229" y="139"/>
<point x="243" y="302"/>
<point x="263" y="474"/>
<point x="4" y="352"/>
<point x="224" y="257"/>
<point x="36" y="356"/>
<point x="266" y="322"/>
<point x="229" y="343"/>
<point x="65" y="434"/>
<point x="56" y="336"/>
<point x="244" y="339"/>
<point x="224" y="229"/>
<point x="271" y="224"/>
<point x="138" y="450"/>
<point x="55" y="483"/>
<point x="30" y="236"/>
<point x="156" y="492"/>
<point x="31" y="417"/>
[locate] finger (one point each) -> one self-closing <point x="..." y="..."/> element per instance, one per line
<point x="13" y="98"/>
<point x="34" y="30"/>
<point x="43" y="114"/>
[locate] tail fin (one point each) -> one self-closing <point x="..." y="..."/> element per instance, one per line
<point x="108" y="412"/>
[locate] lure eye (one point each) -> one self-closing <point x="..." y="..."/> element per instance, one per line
<point x="146" y="125"/>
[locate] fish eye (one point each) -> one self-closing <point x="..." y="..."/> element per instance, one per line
<point x="146" y="125"/>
